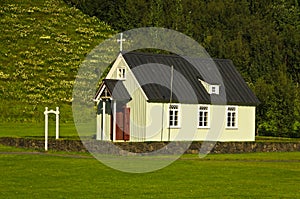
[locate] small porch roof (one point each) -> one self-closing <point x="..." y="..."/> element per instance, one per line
<point x="115" y="89"/>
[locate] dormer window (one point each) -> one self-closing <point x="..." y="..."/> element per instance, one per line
<point x="214" y="89"/>
<point x="121" y="73"/>
<point x="211" y="88"/>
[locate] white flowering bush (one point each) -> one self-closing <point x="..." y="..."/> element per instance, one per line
<point x="42" y="45"/>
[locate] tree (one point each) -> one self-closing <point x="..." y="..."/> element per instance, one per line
<point x="261" y="37"/>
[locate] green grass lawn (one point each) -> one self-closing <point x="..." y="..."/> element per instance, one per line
<point x="36" y="129"/>
<point x="68" y="131"/>
<point x="251" y="175"/>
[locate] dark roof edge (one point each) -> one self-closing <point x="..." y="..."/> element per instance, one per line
<point x="225" y="104"/>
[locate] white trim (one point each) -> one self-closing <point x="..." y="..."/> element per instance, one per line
<point x="114" y="119"/>
<point x="134" y="78"/>
<point x="57" y="124"/>
<point x="208" y="116"/>
<point x="46" y="129"/>
<point x="98" y="126"/>
<point x="214" y="89"/>
<point x="116" y="65"/>
<point x="121" y="76"/>
<point x="97" y="99"/>
<point x="103" y="119"/>
<point x="209" y="87"/>
<point x="236" y="117"/>
<point x="46" y="112"/>
<point x="178" y="115"/>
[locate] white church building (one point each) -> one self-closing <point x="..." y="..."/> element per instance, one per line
<point x="158" y="97"/>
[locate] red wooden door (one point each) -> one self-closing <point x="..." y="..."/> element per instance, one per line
<point x="123" y="124"/>
<point x="119" y="125"/>
<point x="126" y="124"/>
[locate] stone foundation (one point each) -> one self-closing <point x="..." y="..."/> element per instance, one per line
<point x="144" y="147"/>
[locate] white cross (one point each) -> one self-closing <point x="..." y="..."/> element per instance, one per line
<point x="121" y="41"/>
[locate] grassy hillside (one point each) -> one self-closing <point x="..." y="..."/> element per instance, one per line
<point x="42" y="46"/>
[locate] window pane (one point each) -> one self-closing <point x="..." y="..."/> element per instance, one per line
<point x="228" y="121"/>
<point x="173" y="115"/>
<point x="203" y="116"/>
<point x="231" y="117"/>
<point x="175" y="118"/>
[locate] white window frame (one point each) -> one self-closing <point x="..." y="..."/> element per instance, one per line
<point x="231" y="117"/>
<point x="121" y="73"/>
<point x="172" y="112"/>
<point x="201" y="112"/>
<point x="214" y="89"/>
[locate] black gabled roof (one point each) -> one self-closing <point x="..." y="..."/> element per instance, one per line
<point x="153" y="72"/>
<point x="116" y="89"/>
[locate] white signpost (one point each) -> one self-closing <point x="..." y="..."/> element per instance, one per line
<point x="46" y="125"/>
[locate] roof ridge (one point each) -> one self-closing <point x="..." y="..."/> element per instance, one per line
<point x="175" y="56"/>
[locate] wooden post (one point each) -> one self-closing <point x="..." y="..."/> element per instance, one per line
<point x="162" y="122"/>
<point x="46" y="125"/>
<point x="98" y="126"/>
<point x="103" y="119"/>
<point x="114" y="119"/>
<point x="46" y="128"/>
<point x="57" y="123"/>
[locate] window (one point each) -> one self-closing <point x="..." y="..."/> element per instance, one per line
<point x="214" y="89"/>
<point x="211" y="88"/>
<point x="231" y="121"/>
<point x="174" y="116"/>
<point x="203" y="116"/>
<point x="121" y="73"/>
